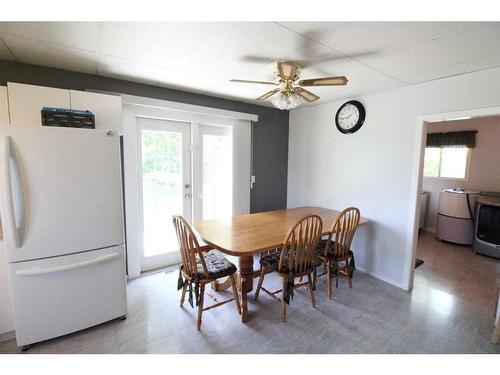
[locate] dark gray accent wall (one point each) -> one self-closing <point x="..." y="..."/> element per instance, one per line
<point x="270" y="140"/>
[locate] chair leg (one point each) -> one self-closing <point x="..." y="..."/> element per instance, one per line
<point x="259" y="284"/>
<point x="329" y="280"/>
<point x="349" y="274"/>
<point x="235" y="293"/>
<point x="200" y="306"/>
<point x="311" y="291"/>
<point x="283" y="303"/>
<point x="183" y="295"/>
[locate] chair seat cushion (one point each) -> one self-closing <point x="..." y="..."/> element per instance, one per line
<point x="320" y="250"/>
<point x="217" y="265"/>
<point x="271" y="261"/>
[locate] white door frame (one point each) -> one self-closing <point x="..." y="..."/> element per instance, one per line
<point x="134" y="107"/>
<point x="167" y="126"/>
<point x="417" y="175"/>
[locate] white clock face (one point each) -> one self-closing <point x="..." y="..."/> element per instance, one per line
<point x="348" y="117"/>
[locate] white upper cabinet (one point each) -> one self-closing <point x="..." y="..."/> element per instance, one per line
<point x="27" y="101"/>
<point x="107" y="109"/>
<point x="4" y="106"/>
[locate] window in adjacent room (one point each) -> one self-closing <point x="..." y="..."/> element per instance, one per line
<point x="446" y="162"/>
<point x="447" y="155"/>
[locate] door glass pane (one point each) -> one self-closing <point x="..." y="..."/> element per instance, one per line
<point x="162" y="189"/>
<point x="454" y="162"/>
<point x="217" y="177"/>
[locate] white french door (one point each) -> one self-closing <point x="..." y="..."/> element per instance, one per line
<point x="212" y="172"/>
<point x="165" y="187"/>
<point x="184" y="169"/>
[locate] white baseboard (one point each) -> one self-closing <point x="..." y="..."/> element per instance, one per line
<point x="429" y="229"/>
<point x="6" y="336"/>
<point x="383" y="278"/>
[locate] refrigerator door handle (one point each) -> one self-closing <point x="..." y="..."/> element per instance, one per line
<point x="13" y="198"/>
<point x="67" y="267"/>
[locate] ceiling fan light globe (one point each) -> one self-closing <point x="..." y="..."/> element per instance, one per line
<point x="284" y="102"/>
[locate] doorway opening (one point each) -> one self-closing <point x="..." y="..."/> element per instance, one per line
<point x="456" y="175"/>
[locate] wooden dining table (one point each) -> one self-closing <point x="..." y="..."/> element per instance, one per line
<point x="246" y="235"/>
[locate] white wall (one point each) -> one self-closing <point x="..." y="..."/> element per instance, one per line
<point x="372" y="169"/>
<point x="484" y="163"/>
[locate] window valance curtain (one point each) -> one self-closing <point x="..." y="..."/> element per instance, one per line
<point x="452" y="139"/>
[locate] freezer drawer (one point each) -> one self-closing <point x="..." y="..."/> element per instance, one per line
<point x="56" y="296"/>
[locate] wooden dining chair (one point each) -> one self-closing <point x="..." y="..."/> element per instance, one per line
<point x="296" y="258"/>
<point x="336" y="251"/>
<point x="201" y="265"/>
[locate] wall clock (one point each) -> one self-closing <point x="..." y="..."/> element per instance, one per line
<point x="350" y="117"/>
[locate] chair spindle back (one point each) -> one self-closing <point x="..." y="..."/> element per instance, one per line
<point x="189" y="247"/>
<point x="343" y="229"/>
<point x="300" y="244"/>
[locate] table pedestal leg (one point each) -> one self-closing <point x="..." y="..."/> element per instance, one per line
<point x="221" y="285"/>
<point x="246" y="275"/>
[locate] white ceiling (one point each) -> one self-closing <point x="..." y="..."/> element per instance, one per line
<point x="202" y="57"/>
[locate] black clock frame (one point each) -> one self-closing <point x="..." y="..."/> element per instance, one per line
<point x="361" y="120"/>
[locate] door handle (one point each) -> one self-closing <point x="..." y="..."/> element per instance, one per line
<point x="67" y="267"/>
<point x="188" y="196"/>
<point x="14" y="206"/>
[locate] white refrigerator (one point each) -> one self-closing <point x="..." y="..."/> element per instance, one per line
<point x="62" y="217"/>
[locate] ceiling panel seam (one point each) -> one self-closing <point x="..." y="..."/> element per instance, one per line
<point x="345" y="55"/>
<point x="8" y="49"/>
<point x="47" y="42"/>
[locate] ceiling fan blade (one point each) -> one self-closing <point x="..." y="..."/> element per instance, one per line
<point x="257" y="82"/>
<point x="286" y="69"/>
<point x="259" y="59"/>
<point x="307" y="95"/>
<point x="268" y="94"/>
<point x="269" y="59"/>
<point x="327" y="81"/>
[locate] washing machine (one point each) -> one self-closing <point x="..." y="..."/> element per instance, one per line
<point x="455" y="218"/>
<point x="487" y="234"/>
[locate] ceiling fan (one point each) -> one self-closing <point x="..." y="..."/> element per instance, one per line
<point x="290" y="90"/>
